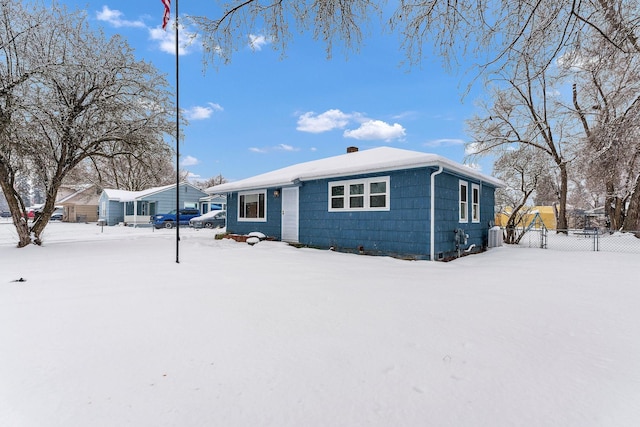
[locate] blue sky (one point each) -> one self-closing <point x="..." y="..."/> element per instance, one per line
<point x="262" y="112"/>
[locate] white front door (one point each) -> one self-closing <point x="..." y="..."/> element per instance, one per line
<point x="290" y="214"/>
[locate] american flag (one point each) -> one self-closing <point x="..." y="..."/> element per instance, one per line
<point x="167" y="13"/>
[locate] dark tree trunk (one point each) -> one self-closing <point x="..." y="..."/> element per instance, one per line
<point x="632" y="220"/>
<point x="562" y="209"/>
<point x="16" y="207"/>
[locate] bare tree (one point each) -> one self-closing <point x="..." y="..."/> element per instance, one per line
<point x="80" y="96"/>
<point x="330" y="20"/>
<point x="492" y="32"/>
<point x="524" y="112"/>
<point x="134" y="172"/>
<point x="215" y="180"/>
<point x="522" y="171"/>
<point x="607" y="104"/>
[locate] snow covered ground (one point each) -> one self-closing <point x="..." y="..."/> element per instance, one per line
<point x="108" y="330"/>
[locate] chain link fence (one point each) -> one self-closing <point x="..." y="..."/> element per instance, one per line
<point x="586" y="239"/>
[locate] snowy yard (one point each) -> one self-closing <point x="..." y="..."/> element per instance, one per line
<point x="108" y="330"/>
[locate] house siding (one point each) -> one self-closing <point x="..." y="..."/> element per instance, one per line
<point x="400" y="231"/>
<point x="272" y="227"/>
<point x="114" y="210"/>
<point x="447" y="213"/>
<point x="164" y="201"/>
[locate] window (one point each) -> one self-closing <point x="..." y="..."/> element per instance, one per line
<point x="475" y="203"/>
<point x="370" y="194"/>
<point x="463" y="201"/>
<point x="141" y="208"/>
<point x="252" y="206"/>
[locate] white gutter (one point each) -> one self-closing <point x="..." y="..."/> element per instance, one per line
<point x="433" y="213"/>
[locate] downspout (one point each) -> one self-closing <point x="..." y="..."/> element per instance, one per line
<point x="433" y="213"/>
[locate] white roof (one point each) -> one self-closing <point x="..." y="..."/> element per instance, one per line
<point x="360" y="162"/>
<point x="130" y="196"/>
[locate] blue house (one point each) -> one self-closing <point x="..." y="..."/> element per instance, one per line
<point x="137" y="207"/>
<point x="382" y="201"/>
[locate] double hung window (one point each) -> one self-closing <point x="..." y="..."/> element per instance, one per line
<point x="463" y="201"/>
<point x="475" y="203"/>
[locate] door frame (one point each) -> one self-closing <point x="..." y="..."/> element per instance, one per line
<point x="290" y="215"/>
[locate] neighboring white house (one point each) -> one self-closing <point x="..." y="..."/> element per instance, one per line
<point x="212" y="203"/>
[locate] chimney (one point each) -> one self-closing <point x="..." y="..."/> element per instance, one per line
<point x="352" y="149"/>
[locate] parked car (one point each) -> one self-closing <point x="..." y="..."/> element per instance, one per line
<point x="56" y="216"/>
<point x="168" y="220"/>
<point x="5" y="214"/>
<point x="213" y="219"/>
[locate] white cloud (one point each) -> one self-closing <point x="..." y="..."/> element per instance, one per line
<point x="285" y="147"/>
<point x="318" y="123"/>
<point x="406" y="115"/>
<point x="189" y="161"/>
<point x="471" y="148"/>
<point x="376" y="129"/>
<point x="447" y="142"/>
<point x="577" y="61"/>
<point x="279" y="147"/>
<point x="257" y="42"/>
<point x="202" y="112"/>
<point x="368" y="129"/>
<point x="114" y="18"/>
<point x="166" y="40"/>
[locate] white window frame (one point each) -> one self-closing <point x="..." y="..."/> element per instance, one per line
<point x="366" y="194"/>
<point x="250" y="193"/>
<point x="463" y="202"/>
<point x="475" y="203"/>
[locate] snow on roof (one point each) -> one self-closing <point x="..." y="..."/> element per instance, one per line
<point x="88" y="198"/>
<point x="130" y="196"/>
<point x="367" y="161"/>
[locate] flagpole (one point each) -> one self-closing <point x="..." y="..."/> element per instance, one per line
<point x="177" y="141"/>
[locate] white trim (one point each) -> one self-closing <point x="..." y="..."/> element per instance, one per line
<point x="365" y="194"/>
<point x="463" y="211"/>
<point x="290" y="224"/>
<point x="475" y="205"/>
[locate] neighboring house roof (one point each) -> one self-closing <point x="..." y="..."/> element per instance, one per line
<point x="212" y="197"/>
<point x="360" y="162"/>
<point x="130" y="196"/>
<point x="595" y="211"/>
<point x="546" y="213"/>
<point x="85" y="195"/>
